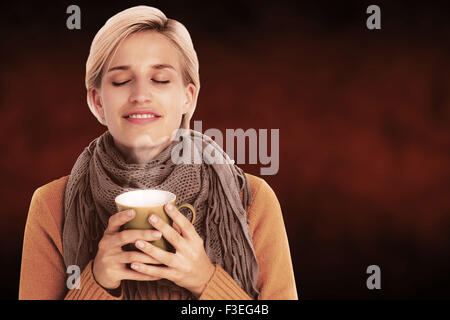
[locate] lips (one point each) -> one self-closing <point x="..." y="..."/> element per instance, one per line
<point x="141" y="114"/>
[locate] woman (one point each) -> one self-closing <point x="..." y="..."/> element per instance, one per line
<point x="142" y="83"/>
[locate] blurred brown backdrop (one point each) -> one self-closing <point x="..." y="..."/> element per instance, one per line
<point x="363" y="116"/>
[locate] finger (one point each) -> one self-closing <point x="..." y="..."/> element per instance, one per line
<point x="187" y="229"/>
<point x="159" y="254"/>
<point x="169" y="233"/>
<point x="138" y="276"/>
<point x="130" y="236"/>
<point x="176" y="227"/>
<point x="153" y="271"/>
<point x="119" y="219"/>
<point x="135" y="256"/>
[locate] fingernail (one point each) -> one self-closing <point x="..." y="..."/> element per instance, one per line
<point x="135" y="266"/>
<point x="153" y="218"/>
<point x="130" y="212"/>
<point x="169" y="206"/>
<point x="140" y="244"/>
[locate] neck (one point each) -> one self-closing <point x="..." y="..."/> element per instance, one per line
<point x="140" y="155"/>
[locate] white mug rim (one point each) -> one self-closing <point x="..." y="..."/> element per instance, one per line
<point x="120" y="199"/>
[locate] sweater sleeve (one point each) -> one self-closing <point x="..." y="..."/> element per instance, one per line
<point x="222" y="286"/>
<point x="275" y="275"/>
<point x="43" y="274"/>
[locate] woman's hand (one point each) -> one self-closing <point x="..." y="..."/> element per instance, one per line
<point x="189" y="266"/>
<point x="110" y="263"/>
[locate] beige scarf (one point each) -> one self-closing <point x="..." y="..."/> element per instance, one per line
<point x="101" y="173"/>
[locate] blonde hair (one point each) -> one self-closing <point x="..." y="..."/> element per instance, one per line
<point x="132" y="20"/>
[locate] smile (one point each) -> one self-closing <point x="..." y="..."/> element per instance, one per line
<point x="142" y="118"/>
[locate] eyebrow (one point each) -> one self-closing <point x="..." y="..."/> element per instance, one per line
<point x="155" y="66"/>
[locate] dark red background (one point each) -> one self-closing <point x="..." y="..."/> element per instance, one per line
<point x="363" y="116"/>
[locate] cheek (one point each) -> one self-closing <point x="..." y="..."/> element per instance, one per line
<point x="172" y="103"/>
<point x="178" y="101"/>
<point x="112" y="99"/>
<point x="173" y="120"/>
<point x="174" y="114"/>
<point x="112" y="104"/>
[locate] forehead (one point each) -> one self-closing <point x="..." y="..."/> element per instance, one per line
<point x="146" y="48"/>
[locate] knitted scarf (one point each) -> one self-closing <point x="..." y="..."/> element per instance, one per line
<point x="213" y="186"/>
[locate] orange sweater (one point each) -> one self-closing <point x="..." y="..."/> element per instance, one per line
<point x="43" y="272"/>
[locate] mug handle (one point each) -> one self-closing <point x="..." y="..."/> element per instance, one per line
<point x="187" y="205"/>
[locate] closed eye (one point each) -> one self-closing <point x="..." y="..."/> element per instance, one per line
<point x="160" y="82"/>
<point x="124" y="82"/>
<point x="120" y="83"/>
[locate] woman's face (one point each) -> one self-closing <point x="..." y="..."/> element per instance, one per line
<point x="144" y="77"/>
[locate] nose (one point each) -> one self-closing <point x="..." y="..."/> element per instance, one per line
<point x="140" y="92"/>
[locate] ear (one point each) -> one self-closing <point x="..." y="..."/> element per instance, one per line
<point x="189" y="98"/>
<point x="95" y="97"/>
